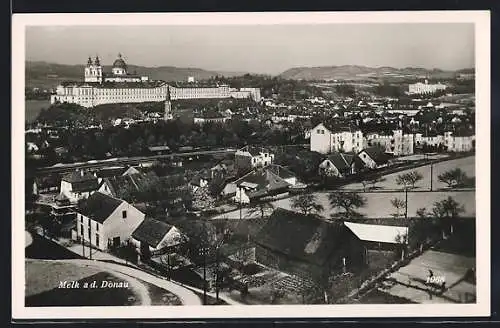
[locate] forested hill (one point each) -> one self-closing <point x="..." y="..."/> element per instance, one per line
<point x="352" y="72"/>
<point x="48" y="75"/>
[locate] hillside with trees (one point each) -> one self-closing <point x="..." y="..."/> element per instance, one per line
<point x="48" y="75"/>
<point x="353" y="72"/>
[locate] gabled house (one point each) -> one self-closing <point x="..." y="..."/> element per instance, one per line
<point x="109" y="172"/>
<point x="262" y="182"/>
<point x="374" y="157"/>
<point x="45" y="184"/>
<point x="78" y="185"/>
<point x="131" y="171"/>
<point x="282" y="173"/>
<point x="127" y="186"/>
<point x="250" y="157"/>
<point x="326" y="138"/>
<point x="105" y="221"/>
<point x="153" y="237"/>
<point x="338" y="165"/>
<point x="307" y="245"/>
<point x="222" y="170"/>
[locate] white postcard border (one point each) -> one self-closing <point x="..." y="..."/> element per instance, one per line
<point x="481" y="19"/>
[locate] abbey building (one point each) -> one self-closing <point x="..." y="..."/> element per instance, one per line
<point x="119" y="86"/>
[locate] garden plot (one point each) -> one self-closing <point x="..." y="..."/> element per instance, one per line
<point x="467" y="164"/>
<point x="378" y="205"/>
<point x="410" y="281"/>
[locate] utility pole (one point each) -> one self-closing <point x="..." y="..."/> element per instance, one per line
<point x="83" y="240"/>
<point x="406" y="202"/>
<point x="204" y="276"/>
<point x="204" y="252"/>
<point x="168" y="267"/>
<point x="240" y="203"/>
<point x="431" y="175"/>
<point x="90" y="239"/>
<point x="217" y="274"/>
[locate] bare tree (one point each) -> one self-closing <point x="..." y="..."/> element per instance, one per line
<point x="348" y="202"/>
<point x="398" y="204"/>
<point x="260" y="207"/>
<point x="409" y="179"/>
<point x="307" y="204"/>
<point x="422" y="212"/>
<point x="447" y="211"/>
<point x="402" y="241"/>
<point x="453" y="178"/>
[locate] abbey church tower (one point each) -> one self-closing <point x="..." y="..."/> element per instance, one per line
<point x="168" y="115"/>
<point x="93" y="70"/>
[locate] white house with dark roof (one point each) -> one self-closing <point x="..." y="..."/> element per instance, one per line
<point x="153" y="236"/>
<point x="374" y="157"/>
<point x="261" y="182"/>
<point x="337" y="165"/>
<point x="78" y="185"/>
<point x="250" y="157"/>
<point x="105" y="221"/>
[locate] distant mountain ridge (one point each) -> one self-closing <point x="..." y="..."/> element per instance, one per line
<point x="363" y="72"/>
<point x="47" y="75"/>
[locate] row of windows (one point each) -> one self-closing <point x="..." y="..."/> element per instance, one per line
<point x="89" y="236"/>
<point x="80" y="218"/>
<point x="108" y="92"/>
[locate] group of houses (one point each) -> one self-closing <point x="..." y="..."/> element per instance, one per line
<point x="288" y="241"/>
<point x="326" y="138"/>
<point x="311" y="247"/>
<point x="101" y="218"/>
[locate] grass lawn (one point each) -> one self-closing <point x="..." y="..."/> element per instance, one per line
<point x="160" y="296"/>
<point x="86" y="296"/>
<point x="45" y="276"/>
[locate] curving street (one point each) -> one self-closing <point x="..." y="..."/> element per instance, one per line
<point x="186" y="296"/>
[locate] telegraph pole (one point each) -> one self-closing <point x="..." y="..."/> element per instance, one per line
<point x="406" y="202"/>
<point x="204" y="252"/>
<point x="83" y="240"/>
<point x="217" y="274"/>
<point x="240" y="203"/>
<point x="204" y="276"/>
<point x="90" y="239"/>
<point x="431" y="175"/>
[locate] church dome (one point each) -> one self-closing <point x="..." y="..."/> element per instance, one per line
<point x="119" y="62"/>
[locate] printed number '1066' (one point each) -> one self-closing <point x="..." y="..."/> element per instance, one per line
<point x="435" y="280"/>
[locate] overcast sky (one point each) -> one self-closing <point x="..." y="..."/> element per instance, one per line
<point x="267" y="49"/>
